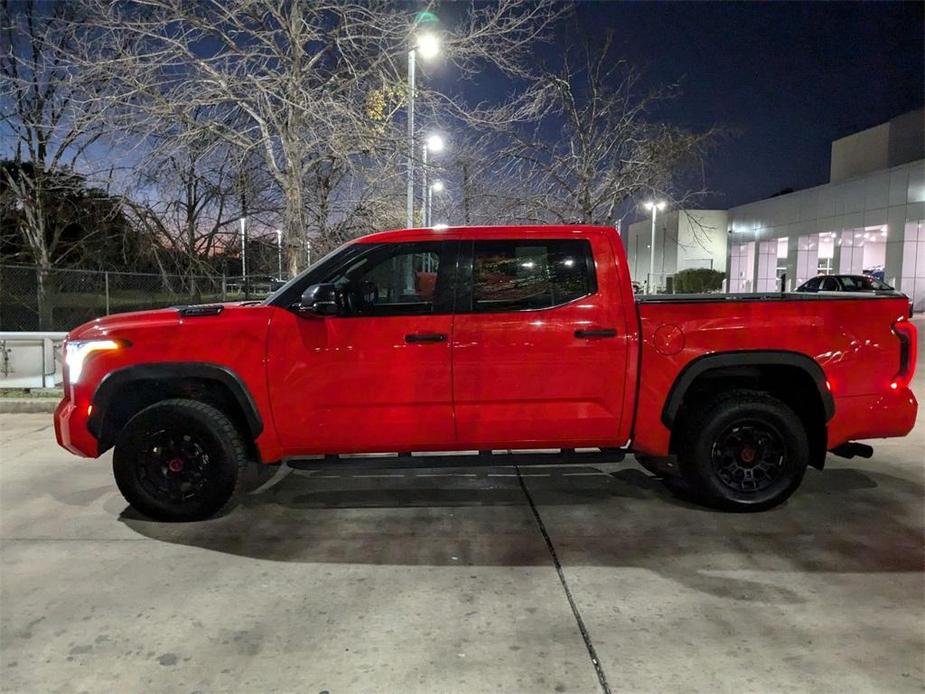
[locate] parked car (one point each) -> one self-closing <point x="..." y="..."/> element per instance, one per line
<point x="492" y="339"/>
<point x="849" y="283"/>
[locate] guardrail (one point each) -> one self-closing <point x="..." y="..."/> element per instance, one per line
<point x="30" y="359"/>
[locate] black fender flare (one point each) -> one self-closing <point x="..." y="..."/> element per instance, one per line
<point x="114" y="381"/>
<point x="709" y="362"/>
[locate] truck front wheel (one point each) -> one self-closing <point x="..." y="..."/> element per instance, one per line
<point x="179" y="460"/>
<point x="744" y="450"/>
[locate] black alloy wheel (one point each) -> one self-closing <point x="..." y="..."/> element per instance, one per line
<point x="743" y="450"/>
<point x="180" y="460"/>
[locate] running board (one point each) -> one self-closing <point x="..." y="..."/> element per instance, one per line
<point x="377" y="461"/>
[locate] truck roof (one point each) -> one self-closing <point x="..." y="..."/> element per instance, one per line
<point x="472" y="232"/>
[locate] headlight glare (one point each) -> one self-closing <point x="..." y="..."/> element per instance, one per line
<point x="76" y="353"/>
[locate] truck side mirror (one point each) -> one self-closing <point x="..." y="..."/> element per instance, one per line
<point x="318" y="300"/>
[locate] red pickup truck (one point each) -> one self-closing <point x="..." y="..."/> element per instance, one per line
<point x="491" y="341"/>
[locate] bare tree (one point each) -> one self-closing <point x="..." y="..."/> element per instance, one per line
<point x="607" y="147"/>
<point x="49" y="124"/>
<point x="290" y="80"/>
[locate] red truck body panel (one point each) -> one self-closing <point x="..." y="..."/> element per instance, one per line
<point x="851" y="339"/>
<point x="503" y="380"/>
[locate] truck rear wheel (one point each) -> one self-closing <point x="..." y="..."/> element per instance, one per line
<point x="744" y="451"/>
<point x="179" y="460"/>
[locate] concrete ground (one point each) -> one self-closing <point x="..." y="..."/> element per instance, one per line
<point x="464" y="580"/>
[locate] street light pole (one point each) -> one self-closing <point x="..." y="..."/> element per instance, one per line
<point x="654" y="206"/>
<point x="429" y="46"/>
<point x="409" y="202"/>
<point x="424" y="210"/>
<point x="244" y="254"/>
<point x="435" y="186"/>
<point x="279" y="254"/>
<point x="434" y="143"/>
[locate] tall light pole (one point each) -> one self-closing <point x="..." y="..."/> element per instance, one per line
<point x="244" y="253"/>
<point x="654" y="206"/>
<point x="436" y="186"/>
<point x="428" y="45"/>
<point x="433" y="143"/>
<point x="279" y="254"/>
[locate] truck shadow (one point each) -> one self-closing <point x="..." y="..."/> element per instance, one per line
<point x="842" y="520"/>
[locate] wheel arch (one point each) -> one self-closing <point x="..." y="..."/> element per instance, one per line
<point x="125" y="392"/>
<point x="794" y="378"/>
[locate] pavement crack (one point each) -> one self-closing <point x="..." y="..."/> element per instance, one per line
<point x="586" y="637"/>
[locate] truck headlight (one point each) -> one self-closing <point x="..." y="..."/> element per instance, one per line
<point x="77" y="352"/>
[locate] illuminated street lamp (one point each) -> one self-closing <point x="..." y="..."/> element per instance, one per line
<point x="428" y="45"/>
<point x="654" y="206"/>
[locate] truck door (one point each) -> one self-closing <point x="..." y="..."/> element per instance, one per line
<point x="376" y="378"/>
<point x="540" y="344"/>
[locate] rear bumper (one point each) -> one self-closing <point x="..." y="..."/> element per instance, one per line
<point x="873" y="417"/>
<point x="71" y="429"/>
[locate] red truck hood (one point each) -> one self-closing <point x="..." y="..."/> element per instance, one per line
<point x="156" y="318"/>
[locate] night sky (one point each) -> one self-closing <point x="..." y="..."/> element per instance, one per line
<point x="788" y="78"/>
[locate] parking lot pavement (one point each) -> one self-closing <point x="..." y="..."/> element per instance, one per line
<point x="462" y="580"/>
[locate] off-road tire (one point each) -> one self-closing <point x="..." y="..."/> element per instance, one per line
<point x="218" y="456"/>
<point x="716" y="476"/>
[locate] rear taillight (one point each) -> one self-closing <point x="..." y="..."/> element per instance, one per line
<point x="908" y="353"/>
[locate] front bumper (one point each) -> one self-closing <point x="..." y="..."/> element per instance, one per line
<point x="71" y="429"/>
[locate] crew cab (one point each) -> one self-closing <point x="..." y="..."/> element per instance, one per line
<point x="489" y="341"/>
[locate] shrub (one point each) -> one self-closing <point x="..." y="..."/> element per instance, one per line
<point x="698" y="281"/>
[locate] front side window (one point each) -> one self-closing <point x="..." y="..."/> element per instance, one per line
<point x="532" y="274"/>
<point x="829" y="284"/>
<point x="398" y="280"/>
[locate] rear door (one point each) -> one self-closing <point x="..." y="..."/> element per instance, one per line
<point x="540" y="344"/>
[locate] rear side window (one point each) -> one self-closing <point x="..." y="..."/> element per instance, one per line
<point x="532" y="274"/>
<point x="812" y="285"/>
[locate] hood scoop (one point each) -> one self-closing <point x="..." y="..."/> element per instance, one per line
<point x="192" y="311"/>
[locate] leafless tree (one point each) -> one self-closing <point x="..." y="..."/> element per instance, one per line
<point x="290" y="80"/>
<point x="607" y="146"/>
<point x="48" y="125"/>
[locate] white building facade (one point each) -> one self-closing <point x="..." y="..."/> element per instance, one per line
<point x="869" y="218"/>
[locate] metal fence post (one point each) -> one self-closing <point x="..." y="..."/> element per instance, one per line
<point x="224" y="287"/>
<point x="106" y="282"/>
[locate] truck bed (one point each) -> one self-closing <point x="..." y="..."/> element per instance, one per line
<point x="850" y="335"/>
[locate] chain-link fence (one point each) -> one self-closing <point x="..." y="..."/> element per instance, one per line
<point x="58" y="299"/>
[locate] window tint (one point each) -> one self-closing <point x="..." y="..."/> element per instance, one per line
<point x="399" y="279"/>
<point x="524" y="275"/>
<point x="829" y="284"/>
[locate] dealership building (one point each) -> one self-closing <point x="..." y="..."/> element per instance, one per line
<point x="870" y="217"/>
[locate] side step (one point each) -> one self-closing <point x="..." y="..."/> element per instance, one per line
<point x="390" y="461"/>
<point x="852" y="449"/>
